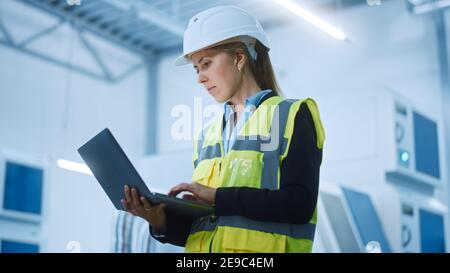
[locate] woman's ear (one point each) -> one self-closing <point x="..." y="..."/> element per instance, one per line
<point x="240" y="60"/>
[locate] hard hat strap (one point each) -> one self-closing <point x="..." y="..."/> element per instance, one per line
<point x="251" y="50"/>
<point x="250" y="42"/>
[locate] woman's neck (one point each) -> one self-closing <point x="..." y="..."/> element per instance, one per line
<point x="248" y="88"/>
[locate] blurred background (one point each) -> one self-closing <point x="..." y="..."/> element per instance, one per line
<point x="69" y="68"/>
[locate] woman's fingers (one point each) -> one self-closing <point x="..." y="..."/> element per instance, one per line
<point x="127" y="207"/>
<point x="135" y="197"/>
<point x="189" y="197"/>
<point x="153" y="208"/>
<point x="125" y="204"/>
<point x="132" y="197"/>
<point x="179" y="188"/>
<point x="174" y="191"/>
<point x="199" y="192"/>
<point x="146" y="203"/>
<point x="160" y="207"/>
<point x="127" y="194"/>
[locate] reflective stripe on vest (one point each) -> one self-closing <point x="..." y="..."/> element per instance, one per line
<point x="208" y="152"/>
<point x="300" y="231"/>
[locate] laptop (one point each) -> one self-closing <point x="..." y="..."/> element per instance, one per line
<point x="113" y="170"/>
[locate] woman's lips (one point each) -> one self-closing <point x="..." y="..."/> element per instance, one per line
<point x="211" y="88"/>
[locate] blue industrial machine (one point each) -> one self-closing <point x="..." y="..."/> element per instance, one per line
<point x="383" y="220"/>
<point x="22" y="182"/>
<point x="415" y="157"/>
<point x="349" y="221"/>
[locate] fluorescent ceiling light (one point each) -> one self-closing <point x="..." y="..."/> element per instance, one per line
<point x="74" y="166"/>
<point x="311" y="18"/>
<point x="431" y="6"/>
<point x="83" y="168"/>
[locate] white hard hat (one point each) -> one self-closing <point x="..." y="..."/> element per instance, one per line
<point x="215" y="25"/>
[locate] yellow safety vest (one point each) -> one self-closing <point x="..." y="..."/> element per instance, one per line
<point x="254" y="160"/>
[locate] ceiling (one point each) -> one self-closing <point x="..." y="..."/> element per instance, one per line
<point x="155" y="26"/>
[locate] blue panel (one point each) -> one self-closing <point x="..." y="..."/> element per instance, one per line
<point x="366" y="218"/>
<point x="23" y="188"/>
<point x="426" y="146"/>
<point x="431" y="232"/>
<point x="16" y="247"/>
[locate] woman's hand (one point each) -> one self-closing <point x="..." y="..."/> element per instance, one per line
<point x="199" y="192"/>
<point x="140" y="206"/>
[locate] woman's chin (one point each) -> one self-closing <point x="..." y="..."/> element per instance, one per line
<point x="219" y="99"/>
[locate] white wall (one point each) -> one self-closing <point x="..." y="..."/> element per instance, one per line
<point x="49" y="111"/>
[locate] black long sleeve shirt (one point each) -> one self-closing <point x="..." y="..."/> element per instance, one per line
<point x="293" y="203"/>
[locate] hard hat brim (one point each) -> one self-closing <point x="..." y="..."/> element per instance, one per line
<point x="181" y="60"/>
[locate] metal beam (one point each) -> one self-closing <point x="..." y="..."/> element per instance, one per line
<point x="8" y="42"/>
<point x="125" y="22"/>
<point x="83" y="23"/>
<point x="94" y="12"/>
<point x="54" y="61"/>
<point x="174" y="51"/>
<point x="69" y="66"/>
<point x="431" y="6"/>
<point x="5" y="32"/>
<point x="87" y="5"/>
<point x="95" y="55"/>
<point x="150" y="14"/>
<point x="142" y="28"/>
<point x="441" y="37"/>
<point x="152" y="106"/>
<point x="143" y="35"/>
<point x="128" y="72"/>
<point x="41" y="33"/>
<point x="110" y="21"/>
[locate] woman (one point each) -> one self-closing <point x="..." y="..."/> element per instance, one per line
<point x="258" y="164"/>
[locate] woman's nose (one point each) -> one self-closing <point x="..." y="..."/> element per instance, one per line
<point x="201" y="77"/>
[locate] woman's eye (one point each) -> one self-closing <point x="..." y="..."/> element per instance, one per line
<point x="203" y="66"/>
